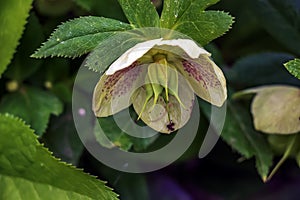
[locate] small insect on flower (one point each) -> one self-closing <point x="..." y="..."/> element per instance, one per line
<point x="160" y="77"/>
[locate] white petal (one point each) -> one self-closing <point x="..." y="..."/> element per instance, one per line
<point x="131" y="55"/>
<point x="189" y="46"/>
<point x="136" y="52"/>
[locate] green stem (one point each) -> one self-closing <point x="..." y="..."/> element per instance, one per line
<point x="284" y="157"/>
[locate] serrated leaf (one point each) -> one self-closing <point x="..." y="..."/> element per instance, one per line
<point x="281" y="19"/>
<point x="190" y="18"/>
<point x="33" y="105"/>
<point x="140" y="13"/>
<point x="28" y="171"/>
<point x="204" y="27"/>
<point x="110" y="49"/>
<point x="22" y="66"/>
<point x="260" y="69"/>
<point x="240" y="135"/>
<point x="120" y="138"/>
<point x="293" y="67"/>
<point x="13" y="16"/>
<point x="79" y="36"/>
<point x="174" y="10"/>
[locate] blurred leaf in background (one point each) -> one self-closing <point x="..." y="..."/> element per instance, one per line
<point x="33" y="105"/>
<point x="11" y="28"/>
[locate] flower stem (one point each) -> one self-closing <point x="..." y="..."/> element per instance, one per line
<point x="286" y="154"/>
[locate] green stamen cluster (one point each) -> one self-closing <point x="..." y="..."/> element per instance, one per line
<point x="161" y="79"/>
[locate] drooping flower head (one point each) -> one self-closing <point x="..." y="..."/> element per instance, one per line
<point x="275" y="108"/>
<point x="160" y="77"/>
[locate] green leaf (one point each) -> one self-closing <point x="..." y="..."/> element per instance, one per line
<point x="293" y="67"/>
<point x="281" y="19"/>
<point x="261" y="69"/>
<point x="118" y="137"/>
<point x="240" y="135"/>
<point x="174" y="10"/>
<point x="140" y="13"/>
<point x="22" y="66"/>
<point x="79" y="36"/>
<point x="111" y="49"/>
<point x="13" y="16"/>
<point x="28" y="171"/>
<point x="33" y="105"/>
<point x="190" y="18"/>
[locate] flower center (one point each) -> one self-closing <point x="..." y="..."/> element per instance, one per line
<point x="161" y="80"/>
<point x="159" y="57"/>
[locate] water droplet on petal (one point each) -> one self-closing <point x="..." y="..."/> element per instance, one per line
<point x="81" y="111"/>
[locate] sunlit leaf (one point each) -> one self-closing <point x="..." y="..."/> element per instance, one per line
<point x="13" y="16"/>
<point x="140" y="13"/>
<point x="79" y="36"/>
<point x="29" y="171"/>
<point x="22" y="66"/>
<point x="190" y="18"/>
<point x="293" y="67"/>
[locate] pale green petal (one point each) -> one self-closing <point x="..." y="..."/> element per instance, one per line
<point x="276" y="109"/>
<point x="206" y="79"/>
<point x="113" y="93"/>
<point x="166" y="117"/>
<point x="149" y="95"/>
<point x="164" y="75"/>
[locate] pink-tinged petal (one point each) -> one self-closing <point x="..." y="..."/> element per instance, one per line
<point x="166" y="117"/>
<point x="131" y="55"/>
<point x="206" y="79"/>
<point x="275" y="109"/>
<point x="113" y="93"/>
<point x="188" y="46"/>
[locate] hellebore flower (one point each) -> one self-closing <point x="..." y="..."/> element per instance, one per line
<point x="275" y="109"/>
<point x="159" y="77"/>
